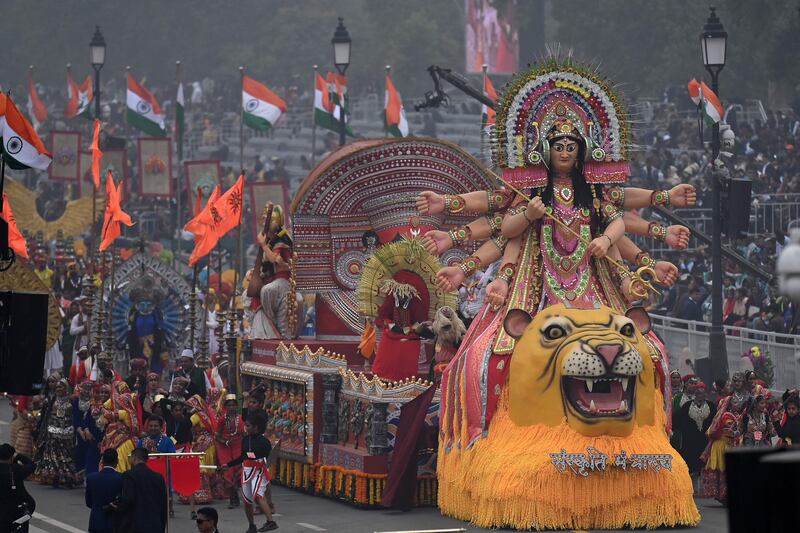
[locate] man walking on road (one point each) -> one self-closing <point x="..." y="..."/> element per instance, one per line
<point x="102" y="488"/>
<point x="143" y="503"/>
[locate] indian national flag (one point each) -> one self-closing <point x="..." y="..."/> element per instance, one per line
<point x="36" y="108"/>
<point x="394" y="116"/>
<point x="180" y="124"/>
<point x="261" y="107"/>
<point x="85" y="98"/>
<point x="704" y="97"/>
<point x="323" y="107"/>
<point x="487" y="113"/>
<point x="337" y="87"/>
<point x="79" y="98"/>
<point x="22" y="148"/>
<point x="144" y="113"/>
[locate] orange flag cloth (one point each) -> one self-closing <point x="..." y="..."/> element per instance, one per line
<point x="227" y="210"/>
<point x="203" y="228"/>
<point x="15" y="239"/>
<point x="114" y="214"/>
<point x="97" y="155"/>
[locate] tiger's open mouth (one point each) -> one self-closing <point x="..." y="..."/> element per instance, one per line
<point x="607" y="396"/>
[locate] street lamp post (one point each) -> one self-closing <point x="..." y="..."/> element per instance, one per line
<point x="713" y="40"/>
<point x="341" y="58"/>
<point x="97" y="53"/>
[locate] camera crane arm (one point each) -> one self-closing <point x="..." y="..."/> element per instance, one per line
<point x="437" y="96"/>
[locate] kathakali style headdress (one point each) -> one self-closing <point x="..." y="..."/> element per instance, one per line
<point x="560" y="98"/>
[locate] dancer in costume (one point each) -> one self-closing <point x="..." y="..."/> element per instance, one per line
<point x="122" y="423"/>
<point x="561" y="140"/>
<point x="691" y="421"/>
<point x="757" y="428"/>
<point x="271" y="320"/>
<point x="230" y="431"/>
<point x="722" y="434"/>
<point x="57" y="465"/>
<point x="87" y="434"/>
<point x="203" y="429"/>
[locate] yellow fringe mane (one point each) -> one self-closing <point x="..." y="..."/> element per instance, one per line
<point x="508" y="479"/>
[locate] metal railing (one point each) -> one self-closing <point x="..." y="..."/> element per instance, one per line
<point x="685" y="339"/>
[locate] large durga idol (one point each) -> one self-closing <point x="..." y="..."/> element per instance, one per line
<point x="553" y="411"/>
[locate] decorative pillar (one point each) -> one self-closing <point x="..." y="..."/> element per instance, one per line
<point x="331" y="383"/>
<point x="379" y="442"/>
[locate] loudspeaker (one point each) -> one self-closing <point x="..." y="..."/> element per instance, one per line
<point x="747" y="480"/>
<point x="23" y="341"/>
<point x="782" y="512"/>
<point x="702" y="367"/>
<point x="736" y="208"/>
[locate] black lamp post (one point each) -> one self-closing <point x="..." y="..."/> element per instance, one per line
<point x="341" y="58"/>
<point x="713" y="42"/>
<point x="97" y="55"/>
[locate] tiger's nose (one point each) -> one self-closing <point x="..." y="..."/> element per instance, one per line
<point x="609" y="352"/>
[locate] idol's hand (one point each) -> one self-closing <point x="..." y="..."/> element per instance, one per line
<point x="496" y="293"/>
<point x="599" y="246"/>
<point x="450" y="278"/>
<point x="437" y="242"/>
<point x="430" y="203"/>
<point x="683" y="195"/>
<point x="666" y="272"/>
<point x="535" y="209"/>
<point x="678" y="237"/>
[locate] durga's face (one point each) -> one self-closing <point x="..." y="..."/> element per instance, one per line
<point x="563" y="155"/>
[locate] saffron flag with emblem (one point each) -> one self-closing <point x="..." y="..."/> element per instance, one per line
<point x="114" y="215"/>
<point x="36" y="108"/>
<point x="97" y="155"/>
<point x="22" y="147"/>
<point x="202" y="227"/>
<point x="15" y="239"/>
<point x="144" y="113"/>
<point x="228" y="208"/>
<point x="487" y="113"/>
<point x="261" y="108"/>
<point x="703" y="97"/>
<point x="394" y="115"/>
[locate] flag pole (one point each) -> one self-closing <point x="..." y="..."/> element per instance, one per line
<point x="110" y="307"/>
<point x="314" y="121"/>
<point x="241" y="119"/>
<point x="485" y="69"/>
<point x="193" y="308"/>
<point x="127" y="75"/>
<point x="176" y="247"/>
<point x="385" y="117"/>
<point x="238" y="265"/>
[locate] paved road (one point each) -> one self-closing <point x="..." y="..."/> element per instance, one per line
<point x="63" y="511"/>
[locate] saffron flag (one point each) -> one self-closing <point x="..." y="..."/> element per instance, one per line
<point x="15" y="239"/>
<point x="22" y="147"/>
<point x="227" y="210"/>
<point x="97" y="155"/>
<point x="203" y="227"/>
<point x="144" y="113"/>
<point x="703" y="97"/>
<point x="487" y="113"/>
<point x="114" y="215"/>
<point x="394" y="116"/>
<point x="36" y="108"/>
<point x="261" y="108"/>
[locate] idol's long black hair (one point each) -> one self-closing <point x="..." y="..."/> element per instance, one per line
<point x="582" y="190"/>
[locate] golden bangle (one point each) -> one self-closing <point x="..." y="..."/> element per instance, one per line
<point x="470" y="265"/>
<point x="454" y="203"/>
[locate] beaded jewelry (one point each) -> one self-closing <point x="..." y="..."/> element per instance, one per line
<point x="657" y="231"/>
<point x="660" y="197"/>
<point x="454" y="203"/>
<point x="495" y="223"/>
<point x="460" y="235"/>
<point x="506" y="272"/>
<point x="470" y="265"/>
<point x="643" y="259"/>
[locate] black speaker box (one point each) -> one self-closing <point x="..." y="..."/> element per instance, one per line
<point x="747" y="479"/>
<point x="736" y="207"/>
<point x="782" y="492"/>
<point x="23" y="341"/>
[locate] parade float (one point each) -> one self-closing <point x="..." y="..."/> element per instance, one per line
<point x="553" y="412"/>
<point x="355" y="228"/>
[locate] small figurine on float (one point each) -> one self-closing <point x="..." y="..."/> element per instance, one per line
<point x="271" y="284"/>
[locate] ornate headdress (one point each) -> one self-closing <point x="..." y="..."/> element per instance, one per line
<point x="560" y="98"/>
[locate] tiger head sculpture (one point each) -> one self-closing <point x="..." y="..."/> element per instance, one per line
<point x="592" y="367"/>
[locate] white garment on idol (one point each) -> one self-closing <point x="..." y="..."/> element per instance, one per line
<point x="78" y="328"/>
<point x="211" y="323"/>
<point x="271" y="321"/>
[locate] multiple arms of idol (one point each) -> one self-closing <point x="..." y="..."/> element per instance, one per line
<point x="502" y="227"/>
